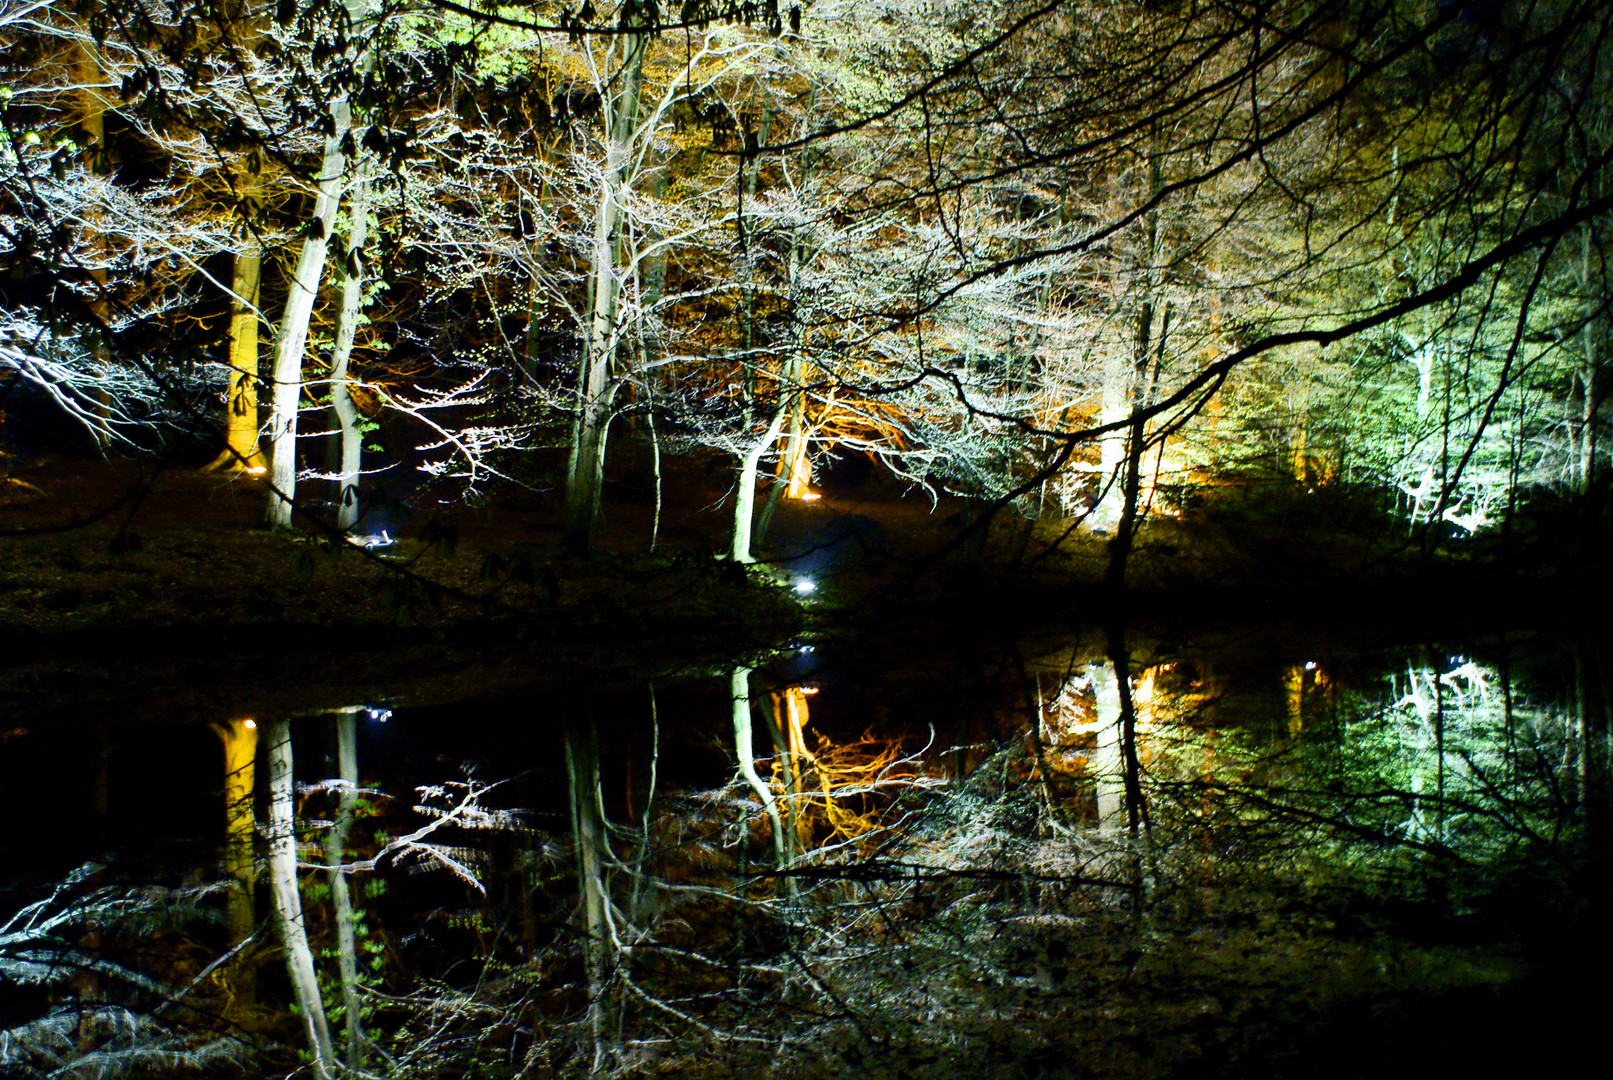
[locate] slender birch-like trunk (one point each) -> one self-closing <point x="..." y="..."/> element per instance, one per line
<point x="282" y="835"/>
<point x="588" y="833"/>
<point x="745" y="751"/>
<point x="745" y="489"/>
<point x="341" y="399"/>
<point x="596" y="385"/>
<point x="292" y="339"/>
<point x="340" y="894"/>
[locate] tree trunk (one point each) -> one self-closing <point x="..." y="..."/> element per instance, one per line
<point x="241" y="422"/>
<point x="745" y="751"/>
<point x="282" y="835"/>
<point x="1112" y="445"/>
<point x="1131" y="765"/>
<point x="340" y="895"/>
<point x="341" y="400"/>
<point x="293" y="336"/>
<point x="1106" y="759"/>
<point x="596" y="383"/>
<point x="795" y="471"/>
<point x="92" y="120"/>
<point x="588" y="833"/>
<point x="240" y="740"/>
<point x="745" y="488"/>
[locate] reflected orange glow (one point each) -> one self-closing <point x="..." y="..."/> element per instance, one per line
<point x="827" y="789"/>
<point x="1145" y="700"/>
<point x="240" y="771"/>
<point x="256" y="470"/>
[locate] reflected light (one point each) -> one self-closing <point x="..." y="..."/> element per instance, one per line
<point x="805" y="586"/>
<point x="256" y="470"/>
<point x="809" y="496"/>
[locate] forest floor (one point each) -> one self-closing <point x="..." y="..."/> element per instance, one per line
<point x="94" y="545"/>
<point x="89" y="547"/>
<point x="117" y="576"/>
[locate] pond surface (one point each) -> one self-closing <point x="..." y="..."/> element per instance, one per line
<point x="939" y="849"/>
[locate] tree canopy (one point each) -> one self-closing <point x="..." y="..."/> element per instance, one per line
<point x="1087" y="257"/>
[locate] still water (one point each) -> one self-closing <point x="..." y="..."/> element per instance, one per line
<point x="933" y="850"/>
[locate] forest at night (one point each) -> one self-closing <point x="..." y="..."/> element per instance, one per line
<point x="840" y="538"/>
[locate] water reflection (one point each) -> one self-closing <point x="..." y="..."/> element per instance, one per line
<point x="1219" y="847"/>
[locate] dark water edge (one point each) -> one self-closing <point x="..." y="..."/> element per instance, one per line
<point x="1235" y="941"/>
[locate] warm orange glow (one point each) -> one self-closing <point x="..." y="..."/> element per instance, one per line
<point x="808" y="496"/>
<point x="809" y="689"/>
<point x="798" y="469"/>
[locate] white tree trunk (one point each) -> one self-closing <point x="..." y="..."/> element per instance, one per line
<point x="596" y="384"/>
<point x="288" y="901"/>
<point x="745" y="490"/>
<point x="745" y="751"/>
<point x="1106" y="765"/>
<point x="341" y="400"/>
<point x="340" y="895"/>
<point x="589" y="834"/>
<point x="292" y="339"/>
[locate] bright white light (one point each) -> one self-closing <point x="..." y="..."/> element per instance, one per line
<point x="381" y="540"/>
<point x="805" y="649"/>
<point x="804" y="586"/>
<point x="809" y="689"/>
<point x="380" y="716"/>
<point x="249" y="724"/>
<point x="1310" y="665"/>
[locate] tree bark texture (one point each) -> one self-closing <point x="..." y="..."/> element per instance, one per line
<point x="288" y="901"/>
<point x="341" y="399"/>
<point x="292" y="339"/>
<point x="340" y="894"/>
<point x="596" y="383"/>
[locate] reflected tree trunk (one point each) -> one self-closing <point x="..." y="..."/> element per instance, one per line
<point x="282" y="837"/>
<point x="1105" y="764"/>
<point x="789" y="720"/>
<point x="588" y="830"/>
<point x="340" y="894"/>
<point x="745" y="751"/>
<point x="1131" y="768"/>
<point x="240" y="739"/>
<point x="1294" y="696"/>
